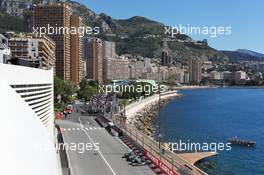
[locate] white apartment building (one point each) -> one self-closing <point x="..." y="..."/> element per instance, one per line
<point x="215" y="75"/>
<point x="240" y="75"/>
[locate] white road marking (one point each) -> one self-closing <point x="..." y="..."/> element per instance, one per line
<point x="96" y="146"/>
<point x="80" y="122"/>
<point x="71" y="129"/>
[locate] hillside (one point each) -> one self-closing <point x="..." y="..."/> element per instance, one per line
<point x="141" y="36"/>
<point x="249" y="52"/>
<point x="8" y="22"/>
<point x="136" y="35"/>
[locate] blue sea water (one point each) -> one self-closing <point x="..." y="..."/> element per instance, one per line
<point x="214" y="115"/>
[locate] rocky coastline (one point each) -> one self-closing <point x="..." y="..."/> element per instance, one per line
<point x="143" y="120"/>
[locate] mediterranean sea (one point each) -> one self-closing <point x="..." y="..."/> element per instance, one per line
<point x="215" y="115"/>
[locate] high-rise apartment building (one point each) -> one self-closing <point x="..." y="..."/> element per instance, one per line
<point x="77" y="58"/>
<point x="55" y="18"/>
<point x="109" y="60"/>
<point x="136" y="69"/>
<point x="115" y="69"/>
<point x="93" y="54"/>
<point x="109" y="49"/>
<point x="166" y="59"/>
<point x="195" y="70"/>
<point x="83" y="72"/>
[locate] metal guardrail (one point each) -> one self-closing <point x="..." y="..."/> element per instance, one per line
<point x="63" y="153"/>
<point x="172" y="160"/>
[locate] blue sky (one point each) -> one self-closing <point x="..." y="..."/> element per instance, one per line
<point x="246" y="17"/>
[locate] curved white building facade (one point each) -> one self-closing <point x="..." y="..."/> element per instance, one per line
<point x="35" y="87"/>
<point x="27" y="121"/>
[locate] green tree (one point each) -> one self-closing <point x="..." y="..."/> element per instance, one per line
<point x="59" y="86"/>
<point x="83" y="84"/>
<point x="70" y="89"/>
<point x="64" y="90"/>
<point x="87" y="92"/>
<point x="87" y="89"/>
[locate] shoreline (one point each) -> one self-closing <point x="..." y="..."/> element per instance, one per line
<point x="142" y="118"/>
<point x="145" y="111"/>
<point x="213" y="86"/>
<point x="192" y="87"/>
<point x="141" y="114"/>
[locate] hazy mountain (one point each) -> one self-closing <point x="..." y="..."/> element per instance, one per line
<point x="249" y="52"/>
<point x="244" y="55"/>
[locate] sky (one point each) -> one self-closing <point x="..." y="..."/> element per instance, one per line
<point x="246" y="18"/>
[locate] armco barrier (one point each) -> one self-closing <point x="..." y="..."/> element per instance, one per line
<point x="159" y="163"/>
<point x="170" y="163"/>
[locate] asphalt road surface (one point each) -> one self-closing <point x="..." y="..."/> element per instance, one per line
<point x="102" y="153"/>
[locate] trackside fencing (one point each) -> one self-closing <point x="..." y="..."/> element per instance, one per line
<point x="170" y="163"/>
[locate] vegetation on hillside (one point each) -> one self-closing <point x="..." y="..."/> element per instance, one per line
<point x="138" y="27"/>
<point x="137" y="46"/>
<point x="142" y="36"/>
<point x="236" y="56"/>
<point x="8" y="22"/>
<point x="137" y="35"/>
